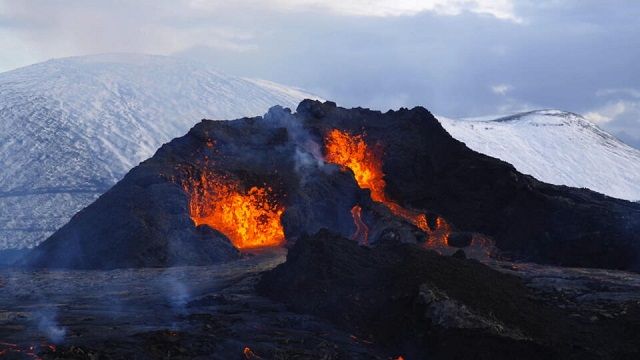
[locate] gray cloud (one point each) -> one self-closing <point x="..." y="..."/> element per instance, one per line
<point x="463" y="58"/>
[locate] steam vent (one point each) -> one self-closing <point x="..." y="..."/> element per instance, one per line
<point x="232" y="186"/>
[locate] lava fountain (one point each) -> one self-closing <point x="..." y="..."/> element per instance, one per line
<point x="250" y="219"/>
<point x="352" y="152"/>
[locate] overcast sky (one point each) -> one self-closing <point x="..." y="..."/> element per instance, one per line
<point x="457" y="58"/>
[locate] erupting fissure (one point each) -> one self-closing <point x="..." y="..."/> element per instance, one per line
<point x="250" y="219"/>
<point x="352" y="152"/>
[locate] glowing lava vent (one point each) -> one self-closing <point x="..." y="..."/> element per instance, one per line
<point x="351" y="151"/>
<point x="250" y="219"/>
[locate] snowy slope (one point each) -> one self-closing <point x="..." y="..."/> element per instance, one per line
<point x="70" y="128"/>
<point x="556" y="147"/>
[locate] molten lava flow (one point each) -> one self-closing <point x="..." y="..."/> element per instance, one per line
<point x="352" y="152"/>
<point x="249" y="219"/>
<point x="439" y="236"/>
<point x="362" y="231"/>
<point x="249" y="354"/>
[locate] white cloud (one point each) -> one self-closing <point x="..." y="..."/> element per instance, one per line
<point x="621" y="118"/>
<point x="500" y="9"/>
<point x="608" y="112"/>
<point x="36" y="30"/>
<point x="39" y="29"/>
<point x="621" y="112"/>
<point x="501" y="89"/>
<point x="513" y="107"/>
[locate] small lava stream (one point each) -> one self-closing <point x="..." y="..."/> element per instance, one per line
<point x="352" y="152"/>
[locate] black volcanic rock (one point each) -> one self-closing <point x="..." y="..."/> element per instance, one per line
<point x="144" y="219"/>
<point x="426" y="169"/>
<point x="414" y="302"/>
<point x="460" y="239"/>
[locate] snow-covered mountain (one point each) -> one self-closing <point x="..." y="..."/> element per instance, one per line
<point x="557" y="147"/>
<point x="70" y="128"/>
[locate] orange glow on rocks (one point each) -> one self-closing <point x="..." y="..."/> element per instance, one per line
<point x="248" y="353"/>
<point x="14" y="351"/>
<point x="439" y="236"/>
<point x="250" y="219"/>
<point x="362" y="231"/>
<point x="352" y="152"/>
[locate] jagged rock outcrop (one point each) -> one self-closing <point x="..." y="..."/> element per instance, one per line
<point x="144" y="220"/>
<point x="414" y="302"/>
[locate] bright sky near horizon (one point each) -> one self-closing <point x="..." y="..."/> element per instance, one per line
<point x="456" y="57"/>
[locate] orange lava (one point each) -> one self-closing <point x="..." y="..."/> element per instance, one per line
<point x="439" y="236"/>
<point x="250" y="219"/>
<point x="352" y="152"/>
<point x="248" y="353"/>
<point x="362" y="231"/>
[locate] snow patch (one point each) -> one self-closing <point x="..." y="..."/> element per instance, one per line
<point x="556" y="147"/>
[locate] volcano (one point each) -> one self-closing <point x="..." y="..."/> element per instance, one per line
<point x="399" y="177"/>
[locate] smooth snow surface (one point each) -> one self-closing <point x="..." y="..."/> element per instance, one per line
<point x="70" y="128"/>
<point x="556" y="147"/>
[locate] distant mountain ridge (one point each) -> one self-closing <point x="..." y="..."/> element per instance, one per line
<point x="70" y="128"/>
<point x="557" y="147"/>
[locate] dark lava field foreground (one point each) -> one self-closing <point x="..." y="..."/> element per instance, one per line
<point x="214" y="312"/>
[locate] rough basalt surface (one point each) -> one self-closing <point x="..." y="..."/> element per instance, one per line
<point x="180" y="313"/>
<point x="144" y="220"/>
<point x="414" y="302"/>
